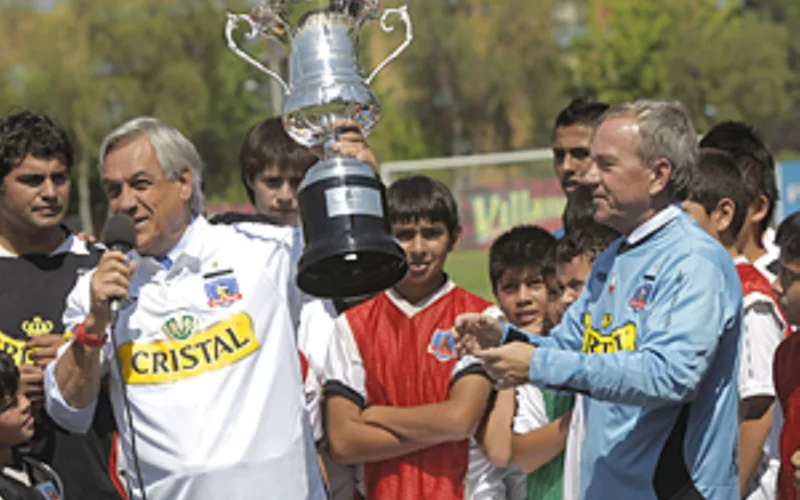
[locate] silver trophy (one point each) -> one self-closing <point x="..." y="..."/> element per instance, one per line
<point x="349" y="249"/>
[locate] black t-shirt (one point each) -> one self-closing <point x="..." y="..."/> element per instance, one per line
<point x="33" y="293"/>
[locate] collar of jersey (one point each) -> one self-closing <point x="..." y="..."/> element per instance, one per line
<point x="653" y="224"/>
<point x="186" y="251"/>
<point x="411" y="309"/>
<point x="71" y="244"/>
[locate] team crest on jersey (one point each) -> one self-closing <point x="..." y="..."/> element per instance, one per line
<point x="641" y="296"/>
<point x="222" y="291"/>
<point x="443" y="345"/>
<point x="48" y="490"/>
<point x="179" y="328"/>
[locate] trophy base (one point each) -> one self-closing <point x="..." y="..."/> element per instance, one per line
<point x="349" y="249"/>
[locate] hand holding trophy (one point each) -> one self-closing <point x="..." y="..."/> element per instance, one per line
<point x="349" y="249"/>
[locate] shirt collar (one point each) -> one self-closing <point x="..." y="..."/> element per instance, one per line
<point x="411" y="309"/>
<point x="187" y="249"/>
<point x="71" y="244"/>
<point x="653" y="224"/>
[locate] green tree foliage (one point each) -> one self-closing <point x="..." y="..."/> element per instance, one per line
<point x="723" y="62"/>
<point x="93" y="64"/>
<point x="479" y="75"/>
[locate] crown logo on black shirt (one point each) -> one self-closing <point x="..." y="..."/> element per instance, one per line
<point x="37" y="326"/>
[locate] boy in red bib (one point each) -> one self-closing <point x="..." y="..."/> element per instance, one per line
<point x="785" y="372"/>
<point x="398" y="399"/>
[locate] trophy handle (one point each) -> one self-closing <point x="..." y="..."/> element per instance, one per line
<point x="403" y="13"/>
<point x="230" y="27"/>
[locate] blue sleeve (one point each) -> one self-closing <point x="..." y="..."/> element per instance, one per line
<point x="686" y="319"/>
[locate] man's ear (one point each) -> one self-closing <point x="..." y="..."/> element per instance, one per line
<point x="723" y="215"/>
<point x="186" y="178"/>
<point x="661" y="174"/>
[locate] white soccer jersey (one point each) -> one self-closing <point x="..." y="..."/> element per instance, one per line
<point x="207" y="350"/>
<point x="763" y="329"/>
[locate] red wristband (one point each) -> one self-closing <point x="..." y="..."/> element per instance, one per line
<point x="89" y="340"/>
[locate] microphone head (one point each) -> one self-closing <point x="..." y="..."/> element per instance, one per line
<point x="120" y="232"/>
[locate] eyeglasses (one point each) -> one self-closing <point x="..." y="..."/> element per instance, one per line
<point x="577" y="153"/>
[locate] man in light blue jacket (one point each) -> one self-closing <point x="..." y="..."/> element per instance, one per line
<point x="653" y="341"/>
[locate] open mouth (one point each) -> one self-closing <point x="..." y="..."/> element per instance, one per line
<point x="417" y="268"/>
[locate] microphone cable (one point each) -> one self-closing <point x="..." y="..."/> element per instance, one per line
<point x="128" y="412"/>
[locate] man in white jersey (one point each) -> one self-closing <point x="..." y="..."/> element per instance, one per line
<point x="204" y="348"/>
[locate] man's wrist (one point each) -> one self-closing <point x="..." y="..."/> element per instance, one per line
<point x="95" y="326"/>
<point x="90" y="334"/>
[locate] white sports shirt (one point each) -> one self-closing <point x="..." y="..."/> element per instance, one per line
<point x="207" y="348"/>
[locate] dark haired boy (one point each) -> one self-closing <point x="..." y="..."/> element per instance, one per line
<point x="717" y="199"/>
<point x="398" y="399"/>
<point x="785" y="372"/>
<point x="17" y="426"/>
<point x="272" y="166"/>
<point x="575" y="255"/>
<point x="757" y="168"/>
<point x="521" y="267"/>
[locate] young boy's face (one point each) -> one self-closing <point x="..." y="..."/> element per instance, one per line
<point x="16" y="420"/>
<point x="571" y="277"/>
<point x="426" y="245"/>
<point x="522" y="295"/>
<point x="787" y="286"/>
<point x="275" y="194"/>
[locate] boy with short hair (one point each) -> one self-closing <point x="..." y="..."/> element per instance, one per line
<point x="757" y="168"/>
<point x="574" y="255"/>
<point x="785" y="372"/>
<point x="17" y="427"/>
<point x="717" y="200"/>
<point x="520" y="267"/>
<point x="272" y="165"/>
<point x="398" y="399"/>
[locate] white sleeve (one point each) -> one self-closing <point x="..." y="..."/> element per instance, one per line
<point x="312" y="392"/>
<point x="344" y="373"/>
<point x="316" y="331"/>
<point x="77" y="420"/>
<point x="282" y="261"/>
<point x="762" y="332"/>
<point x="531" y="413"/>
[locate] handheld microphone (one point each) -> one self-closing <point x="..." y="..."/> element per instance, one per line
<point x="119" y="234"/>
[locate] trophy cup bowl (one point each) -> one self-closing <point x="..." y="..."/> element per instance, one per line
<point x="349" y="249"/>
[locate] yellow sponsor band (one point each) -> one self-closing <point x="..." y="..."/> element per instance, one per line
<point x="221" y="345"/>
<point x="622" y="338"/>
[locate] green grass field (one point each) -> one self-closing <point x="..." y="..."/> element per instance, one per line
<point x="470" y="270"/>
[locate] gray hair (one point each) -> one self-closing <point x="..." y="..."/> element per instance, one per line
<point x="665" y="131"/>
<point x="173" y="151"/>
